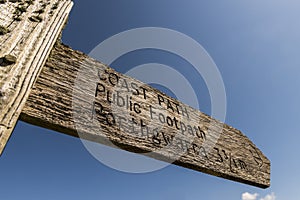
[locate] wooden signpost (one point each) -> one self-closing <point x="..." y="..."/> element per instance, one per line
<point x="28" y="31"/>
<point x="117" y="110"/>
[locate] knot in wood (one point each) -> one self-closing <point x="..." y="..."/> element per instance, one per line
<point x="15" y="1"/>
<point x="3" y="30"/>
<point x="35" y="19"/>
<point x="8" y="60"/>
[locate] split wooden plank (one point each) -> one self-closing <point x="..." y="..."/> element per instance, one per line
<point x="120" y="111"/>
<point x="28" y="31"/>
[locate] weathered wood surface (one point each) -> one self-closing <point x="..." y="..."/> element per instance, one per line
<point x="119" y="110"/>
<point x="28" y="31"/>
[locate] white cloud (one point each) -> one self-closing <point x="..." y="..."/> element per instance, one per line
<point x="269" y="197"/>
<point x="248" y="196"/>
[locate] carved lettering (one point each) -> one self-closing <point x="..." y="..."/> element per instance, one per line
<point x="121" y="96"/>
<point x="220" y="158"/>
<point x="172" y="106"/>
<point x="256" y="157"/>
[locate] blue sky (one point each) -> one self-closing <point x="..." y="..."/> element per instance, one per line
<point x="255" y="45"/>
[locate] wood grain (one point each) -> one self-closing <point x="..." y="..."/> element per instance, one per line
<point x="28" y="31"/>
<point x="81" y="97"/>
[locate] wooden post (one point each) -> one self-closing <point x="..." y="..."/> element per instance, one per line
<point x="28" y="31"/>
<point x="150" y="126"/>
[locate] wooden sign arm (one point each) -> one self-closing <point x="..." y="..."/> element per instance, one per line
<point x="50" y="105"/>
